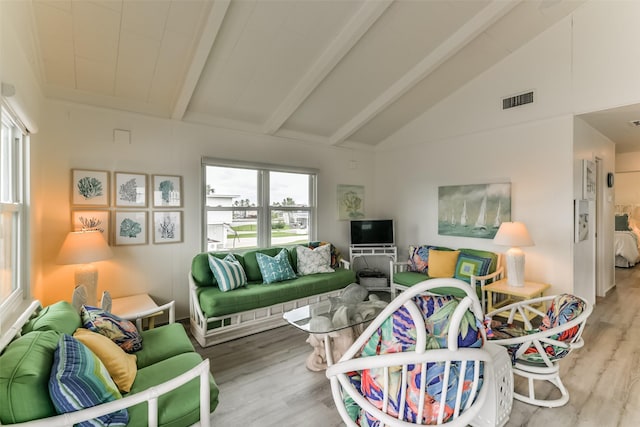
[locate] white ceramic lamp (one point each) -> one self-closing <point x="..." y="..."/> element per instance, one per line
<point x="515" y="235"/>
<point x="84" y="248"/>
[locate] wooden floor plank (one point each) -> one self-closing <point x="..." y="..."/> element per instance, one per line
<point x="263" y="380"/>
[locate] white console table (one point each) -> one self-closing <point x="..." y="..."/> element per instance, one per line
<point x="356" y="252"/>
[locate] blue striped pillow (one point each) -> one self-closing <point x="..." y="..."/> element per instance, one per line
<point x="79" y="380"/>
<point x="228" y="272"/>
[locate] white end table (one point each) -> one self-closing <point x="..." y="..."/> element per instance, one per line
<point x="129" y="306"/>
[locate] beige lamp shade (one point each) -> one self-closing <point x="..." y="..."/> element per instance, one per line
<point x="516" y="235"/>
<point x="85" y="247"/>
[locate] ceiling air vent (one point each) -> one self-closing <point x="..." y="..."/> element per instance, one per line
<point x="635" y="123"/>
<point x="517" y="100"/>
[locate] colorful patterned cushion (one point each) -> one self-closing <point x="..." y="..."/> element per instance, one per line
<point x="335" y="253"/>
<point x="419" y="259"/>
<point x="311" y="261"/>
<point x="120" y="331"/>
<point x="397" y="334"/>
<point x="79" y="380"/>
<point x="563" y="308"/>
<point x="275" y="269"/>
<point x="120" y="365"/>
<point x="469" y="264"/>
<point x="228" y="272"/>
<point x="442" y="263"/>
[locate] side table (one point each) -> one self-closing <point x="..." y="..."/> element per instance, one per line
<point x="129" y="307"/>
<point x="530" y="290"/>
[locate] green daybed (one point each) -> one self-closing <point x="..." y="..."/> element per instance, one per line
<point x="171" y="383"/>
<point x="218" y="316"/>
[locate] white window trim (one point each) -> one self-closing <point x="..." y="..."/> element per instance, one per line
<point x="264" y="210"/>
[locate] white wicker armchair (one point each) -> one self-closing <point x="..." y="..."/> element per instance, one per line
<point x="404" y="387"/>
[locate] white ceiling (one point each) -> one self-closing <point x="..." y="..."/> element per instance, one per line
<point x="328" y="71"/>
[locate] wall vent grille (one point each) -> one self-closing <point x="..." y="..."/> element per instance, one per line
<point x="517" y="100"/>
<point x="635" y="123"/>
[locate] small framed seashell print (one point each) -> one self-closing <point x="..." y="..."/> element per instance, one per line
<point x="130" y="190"/>
<point x="89" y="187"/>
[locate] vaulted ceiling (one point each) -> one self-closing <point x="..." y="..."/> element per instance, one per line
<point x="328" y="71"/>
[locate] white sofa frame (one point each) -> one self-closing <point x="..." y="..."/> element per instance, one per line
<point x="481" y="281"/>
<point x="150" y="395"/>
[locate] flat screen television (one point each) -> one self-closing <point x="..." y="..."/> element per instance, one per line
<point x="375" y="232"/>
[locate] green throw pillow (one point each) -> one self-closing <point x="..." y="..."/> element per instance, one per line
<point x="469" y="265"/>
<point x="275" y="269"/>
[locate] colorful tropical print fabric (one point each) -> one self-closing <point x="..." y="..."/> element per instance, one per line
<point x="398" y="334"/>
<point x="564" y="308"/>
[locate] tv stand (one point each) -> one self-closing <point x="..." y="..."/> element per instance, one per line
<point x="356" y="252"/>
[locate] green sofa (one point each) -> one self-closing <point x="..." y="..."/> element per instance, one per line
<point x="167" y="353"/>
<point x="403" y="278"/>
<point x="218" y="316"/>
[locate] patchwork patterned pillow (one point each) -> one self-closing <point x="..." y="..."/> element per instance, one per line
<point x="275" y="269"/>
<point x="469" y="264"/>
<point x="311" y="261"/>
<point x="228" y="272"/>
<point x="419" y="259"/>
<point x="120" y="331"/>
<point x="79" y="380"/>
<point x="335" y="253"/>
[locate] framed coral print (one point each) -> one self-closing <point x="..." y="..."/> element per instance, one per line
<point x="130" y="190"/>
<point x="89" y="187"/>
<point x="167" y="191"/>
<point x="130" y="228"/>
<point x="87" y="220"/>
<point x="167" y="226"/>
<point x="588" y="179"/>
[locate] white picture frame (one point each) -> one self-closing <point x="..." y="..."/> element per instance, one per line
<point x="130" y="190"/>
<point x="167" y="227"/>
<point x="588" y="179"/>
<point x="167" y="191"/>
<point x="130" y="228"/>
<point x="89" y="188"/>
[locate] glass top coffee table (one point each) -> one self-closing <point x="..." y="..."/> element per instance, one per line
<point x="332" y="326"/>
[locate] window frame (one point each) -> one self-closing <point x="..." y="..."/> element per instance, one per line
<point x="18" y="204"/>
<point x="263" y="204"/>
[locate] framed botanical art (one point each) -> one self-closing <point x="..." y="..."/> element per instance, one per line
<point x="350" y="202"/>
<point x="130" y="190"/>
<point x="167" y="191"/>
<point x="89" y="187"/>
<point x="588" y="179"/>
<point x="167" y="226"/>
<point x="86" y="220"/>
<point x="130" y="228"/>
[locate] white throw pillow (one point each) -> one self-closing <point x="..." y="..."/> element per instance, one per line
<point x="316" y="260"/>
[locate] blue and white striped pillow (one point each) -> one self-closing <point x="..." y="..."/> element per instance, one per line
<point x="228" y="272"/>
<point x="79" y="380"/>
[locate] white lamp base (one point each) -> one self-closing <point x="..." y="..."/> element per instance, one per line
<point x="515" y="267"/>
<point x="87" y="275"/>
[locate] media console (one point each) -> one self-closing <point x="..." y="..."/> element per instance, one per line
<point x="375" y="283"/>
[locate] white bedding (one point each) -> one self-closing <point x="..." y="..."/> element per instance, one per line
<point x="626" y="246"/>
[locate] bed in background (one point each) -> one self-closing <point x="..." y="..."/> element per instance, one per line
<point x="626" y="239"/>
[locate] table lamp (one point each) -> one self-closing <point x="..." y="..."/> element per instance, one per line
<point x="83" y="248"/>
<point x="515" y="235"/>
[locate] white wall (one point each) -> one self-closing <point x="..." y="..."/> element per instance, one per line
<point x="74" y="136"/>
<point x="628" y="162"/>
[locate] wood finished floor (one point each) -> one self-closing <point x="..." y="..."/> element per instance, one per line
<point x="263" y="381"/>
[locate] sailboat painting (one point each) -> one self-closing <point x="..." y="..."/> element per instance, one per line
<point x="474" y="210"/>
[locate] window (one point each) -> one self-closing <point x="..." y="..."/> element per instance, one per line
<point x="253" y="205"/>
<point x="13" y="215"/>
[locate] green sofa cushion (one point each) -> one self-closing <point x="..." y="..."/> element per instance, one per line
<point x="162" y="343"/>
<point x="180" y="407"/>
<point x="216" y="303"/>
<point x="410" y="278"/>
<point x="61" y="317"/>
<point x="251" y="267"/>
<point x="25" y="367"/>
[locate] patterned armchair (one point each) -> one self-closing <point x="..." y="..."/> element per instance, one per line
<point x="424" y="360"/>
<point x="536" y="351"/>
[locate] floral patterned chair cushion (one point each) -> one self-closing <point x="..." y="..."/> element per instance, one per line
<point x="564" y="308"/>
<point x="398" y="334"/>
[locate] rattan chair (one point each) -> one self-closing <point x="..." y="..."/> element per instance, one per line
<point x="537" y="350"/>
<point x="424" y="360"/>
